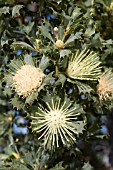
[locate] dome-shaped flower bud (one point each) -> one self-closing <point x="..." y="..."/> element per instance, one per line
<point x="59" y="44"/>
<point x="56" y="29"/>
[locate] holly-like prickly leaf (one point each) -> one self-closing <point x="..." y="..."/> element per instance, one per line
<point x="28" y="60"/>
<point x="32" y="97"/>
<point x="79" y="126"/>
<point x="61" y="80"/>
<point x="4" y="10"/>
<point x="58" y="167"/>
<point x="45" y="33"/>
<point x="16" y="103"/>
<point x="76" y="13"/>
<point x="28" y="28"/>
<point x="44" y="63"/>
<point x="82" y="87"/>
<point x="64" y="52"/>
<point x="48" y="78"/>
<point x="18" y="45"/>
<point x="16" y="10"/>
<point x="87" y="166"/>
<point x="71" y="39"/>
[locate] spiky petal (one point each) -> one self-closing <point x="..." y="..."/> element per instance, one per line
<point x="84" y="66"/>
<point x="55" y="123"/>
<point x="105" y="86"/>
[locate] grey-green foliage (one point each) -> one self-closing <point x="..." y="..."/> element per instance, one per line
<point x="82" y="24"/>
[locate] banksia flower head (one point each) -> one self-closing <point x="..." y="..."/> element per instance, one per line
<point x="84" y="66"/>
<point x="55" y="123"/>
<point x="27" y="79"/>
<point x="105" y="86"/>
<point x="24" y="77"/>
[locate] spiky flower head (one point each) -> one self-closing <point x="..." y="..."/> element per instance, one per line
<point x="84" y="66"/>
<point x="105" y="86"/>
<point x="27" y="79"/>
<point x="57" y="122"/>
<point x="24" y="77"/>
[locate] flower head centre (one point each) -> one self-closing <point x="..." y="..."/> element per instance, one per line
<point x="56" y="118"/>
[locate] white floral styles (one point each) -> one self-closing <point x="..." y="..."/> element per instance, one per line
<point x="105" y="86"/>
<point x="84" y="66"/>
<point x="27" y="79"/>
<point x="55" y="123"/>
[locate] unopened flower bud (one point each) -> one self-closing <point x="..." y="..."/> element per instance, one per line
<point x="59" y="44"/>
<point x="56" y="30"/>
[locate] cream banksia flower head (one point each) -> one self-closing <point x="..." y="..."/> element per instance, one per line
<point x="105" y="86"/>
<point x="27" y="79"/>
<point x="84" y="66"/>
<point x="24" y="77"/>
<point x="57" y="122"/>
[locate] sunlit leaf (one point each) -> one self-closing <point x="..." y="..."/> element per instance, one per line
<point x="18" y="45"/>
<point x="16" y="10"/>
<point x="4" y="10"/>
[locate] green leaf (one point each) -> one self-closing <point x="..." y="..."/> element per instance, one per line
<point x="79" y="126"/>
<point x="18" y="45"/>
<point x="16" y="164"/>
<point x="76" y="13"/>
<point x="28" y="28"/>
<point x="90" y="31"/>
<point x="64" y="52"/>
<point x="58" y="1"/>
<point x="7" y="91"/>
<point x="28" y="59"/>
<point x="87" y="166"/>
<point x="44" y="63"/>
<point x="4" y="10"/>
<point x="58" y="167"/>
<point x="16" y="103"/>
<point x="105" y="2"/>
<point x="29" y="159"/>
<point x="4" y="39"/>
<point x="61" y="31"/>
<point x="30" y="99"/>
<point x="82" y="87"/>
<point x="3" y="156"/>
<point x="45" y="33"/>
<point x="48" y="79"/>
<point x="16" y="10"/>
<point x="71" y="39"/>
<point x="61" y="80"/>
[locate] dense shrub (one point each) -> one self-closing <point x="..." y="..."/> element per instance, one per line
<point x="56" y="85"/>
